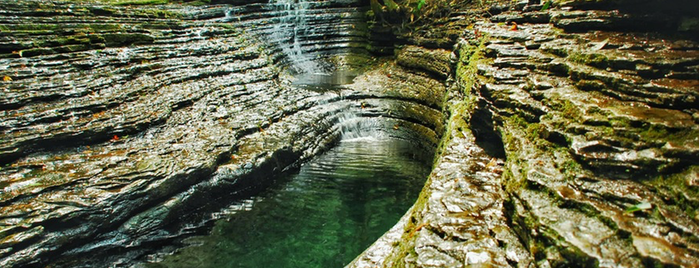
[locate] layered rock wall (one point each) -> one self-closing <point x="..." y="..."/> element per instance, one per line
<point x="127" y="128"/>
<point x="571" y="142"/>
<point x="570" y="137"/>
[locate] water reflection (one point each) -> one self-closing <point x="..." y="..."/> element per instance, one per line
<point x="324" y="216"/>
<point x="324" y="81"/>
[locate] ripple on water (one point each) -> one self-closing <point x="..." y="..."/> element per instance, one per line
<point x="324" y="216"/>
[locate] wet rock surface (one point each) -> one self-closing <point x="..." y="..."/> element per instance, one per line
<point x="586" y="121"/>
<point x="127" y="128"/>
<point x="567" y="131"/>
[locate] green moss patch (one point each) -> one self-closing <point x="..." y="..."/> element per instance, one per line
<point x="682" y="188"/>
<point x="591" y="59"/>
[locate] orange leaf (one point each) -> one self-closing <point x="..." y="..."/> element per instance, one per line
<point x="514" y="27"/>
<point x="7" y="79"/>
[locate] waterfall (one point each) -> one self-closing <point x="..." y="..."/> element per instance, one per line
<point x="288" y="33"/>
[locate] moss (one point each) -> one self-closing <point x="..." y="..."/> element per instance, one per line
<point x="200" y="2"/>
<point x="35" y="29"/>
<point x="36" y="52"/>
<point x="98" y="27"/>
<point x="536" y="133"/>
<point x="460" y="113"/>
<point x="467" y="67"/>
<point x="433" y="61"/>
<point x="70" y="40"/>
<point x="619" y="122"/>
<point x="586" y="209"/>
<point x="545" y="244"/>
<point x="590" y="85"/>
<point x="657" y="132"/>
<point x="459" y="119"/>
<point x="567" y="109"/>
<point x="406" y="246"/>
<point x="158" y="13"/>
<point x="556" y="50"/>
<point x="591" y="59"/>
<point x="124" y="39"/>
<point x="512" y="183"/>
<point x="676" y="187"/>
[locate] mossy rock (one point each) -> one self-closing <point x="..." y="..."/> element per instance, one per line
<point x="37" y="52"/>
<point x="592" y="59"/>
<point x="125" y="39"/>
<point x="433" y="61"/>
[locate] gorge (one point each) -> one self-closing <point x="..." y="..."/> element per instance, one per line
<point x="565" y="131"/>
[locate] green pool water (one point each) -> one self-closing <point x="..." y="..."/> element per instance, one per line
<point x="324" y="216"/>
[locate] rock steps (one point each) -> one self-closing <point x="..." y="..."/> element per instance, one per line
<point x="614" y="110"/>
<point x="105" y="145"/>
<point x="590" y="123"/>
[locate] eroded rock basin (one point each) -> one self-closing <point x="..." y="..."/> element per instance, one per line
<point x="567" y="131"/>
<point x="337" y="205"/>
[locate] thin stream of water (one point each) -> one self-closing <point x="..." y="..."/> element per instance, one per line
<point x="289" y="30"/>
<point x="324" y="216"/>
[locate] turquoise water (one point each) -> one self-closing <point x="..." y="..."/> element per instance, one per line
<point x="337" y="205"/>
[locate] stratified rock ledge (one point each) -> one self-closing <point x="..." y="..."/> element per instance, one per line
<point x="571" y="142"/>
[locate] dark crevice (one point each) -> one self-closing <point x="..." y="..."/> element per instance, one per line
<point x="485" y="133"/>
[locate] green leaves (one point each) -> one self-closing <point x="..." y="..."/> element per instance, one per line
<point x="420" y="4"/>
<point x="546" y="6"/>
<point x="376" y="7"/>
<point x="408" y="9"/>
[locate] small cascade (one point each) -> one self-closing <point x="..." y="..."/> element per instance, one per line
<point x="305" y="33"/>
<point x="288" y="33"/>
<point x="358" y="126"/>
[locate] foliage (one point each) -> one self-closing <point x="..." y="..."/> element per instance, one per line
<point x="420" y="4"/>
<point x="546" y="5"/>
<point x="413" y="10"/>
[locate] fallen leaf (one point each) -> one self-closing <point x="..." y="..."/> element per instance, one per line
<point x="514" y="27"/>
<point x="7" y="79"/>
